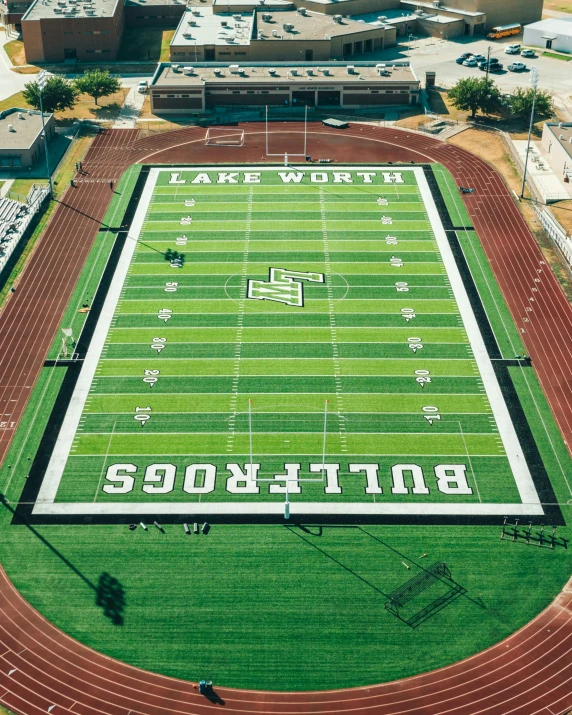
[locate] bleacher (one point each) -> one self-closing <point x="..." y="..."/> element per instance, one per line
<point x="15" y="217"/>
<point x="11" y="215"/>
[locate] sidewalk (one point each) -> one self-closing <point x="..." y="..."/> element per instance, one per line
<point x="131" y="110"/>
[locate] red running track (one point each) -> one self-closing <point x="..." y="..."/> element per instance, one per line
<point x="529" y="673"/>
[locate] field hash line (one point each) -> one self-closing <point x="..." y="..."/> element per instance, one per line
<point x="238" y="345"/>
<point x="333" y="328"/>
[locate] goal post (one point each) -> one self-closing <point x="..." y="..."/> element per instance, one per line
<point x="224" y="136"/>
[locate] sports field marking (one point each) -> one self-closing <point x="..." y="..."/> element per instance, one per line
<point x="250" y="259"/>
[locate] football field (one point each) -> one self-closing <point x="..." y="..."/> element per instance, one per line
<point x="289" y="340"/>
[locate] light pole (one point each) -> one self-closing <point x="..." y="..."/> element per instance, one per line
<point x="42" y="79"/>
<point x="534" y="74"/>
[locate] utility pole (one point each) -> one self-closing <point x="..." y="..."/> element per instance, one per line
<point x="42" y="79"/>
<point x="534" y="75"/>
<point x="488" y="62"/>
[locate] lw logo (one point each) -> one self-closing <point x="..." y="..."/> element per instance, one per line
<point x="283" y="286"/>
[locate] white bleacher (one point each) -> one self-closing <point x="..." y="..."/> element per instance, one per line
<point x="15" y="217"/>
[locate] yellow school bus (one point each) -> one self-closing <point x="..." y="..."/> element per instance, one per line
<point x="504" y="31"/>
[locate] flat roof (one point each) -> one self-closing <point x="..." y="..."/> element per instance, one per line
<point x="558" y="25"/>
<point x="254" y="73"/>
<point x="565" y="131"/>
<point x="267" y="4"/>
<point x="151" y="3"/>
<point x="50" y="9"/>
<point x="446" y="8"/>
<point x="311" y="26"/>
<point x="27" y="126"/>
<point x="201" y="26"/>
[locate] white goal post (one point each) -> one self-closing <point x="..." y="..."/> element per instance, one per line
<point x="224" y="136"/>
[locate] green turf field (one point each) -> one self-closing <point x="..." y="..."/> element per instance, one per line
<point x="299" y="604"/>
<point x="277" y="332"/>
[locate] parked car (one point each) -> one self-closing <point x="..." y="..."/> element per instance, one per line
<point x="466" y="55"/>
<point x="492" y="67"/>
<point x="480" y="58"/>
<point x="470" y="62"/>
<point x="516" y="67"/>
<point x="513" y="49"/>
<point x="143" y="86"/>
<point x="528" y="53"/>
<point x="460" y="60"/>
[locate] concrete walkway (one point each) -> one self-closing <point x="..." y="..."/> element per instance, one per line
<point x="131" y="110"/>
<point x="10" y="82"/>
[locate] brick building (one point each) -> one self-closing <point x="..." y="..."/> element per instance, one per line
<point x="186" y="90"/>
<point x="21" y="140"/>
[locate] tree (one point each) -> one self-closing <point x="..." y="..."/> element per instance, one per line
<point x="475" y="93"/>
<point x="520" y="103"/>
<point x="98" y="83"/>
<point x="57" y="94"/>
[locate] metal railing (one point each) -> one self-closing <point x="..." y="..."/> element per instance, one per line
<point x="35" y="200"/>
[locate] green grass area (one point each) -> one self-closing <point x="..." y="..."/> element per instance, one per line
<point x="236" y="605"/>
<point x="146" y="43"/>
<point x="557" y="56"/>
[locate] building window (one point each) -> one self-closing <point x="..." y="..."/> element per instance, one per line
<point x="4" y="161"/>
<point x="375" y="91"/>
<point x="68" y="33"/>
<point x="265" y="91"/>
<point x="170" y="96"/>
<point x="16" y="161"/>
<point x="249" y="91"/>
<point x="236" y="91"/>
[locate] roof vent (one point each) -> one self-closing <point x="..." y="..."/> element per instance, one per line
<point x="237" y="17"/>
<point x="189" y="70"/>
<point x="20" y="115"/>
<point x="338" y="19"/>
<point x="218" y="71"/>
<point x="274" y="33"/>
<point x="326" y="71"/>
<point x="302" y="11"/>
<point x="176" y="68"/>
<point x="561" y="137"/>
<point x="234" y="69"/>
<point x="351" y="69"/>
<point x="260" y="35"/>
<point x="294" y="72"/>
<point x="11" y="128"/>
<point x="288" y="26"/>
<point x="309" y="71"/>
<point x="267" y="17"/>
<point x="272" y="71"/>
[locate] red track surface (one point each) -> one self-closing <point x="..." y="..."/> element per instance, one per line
<point x="529" y="673"/>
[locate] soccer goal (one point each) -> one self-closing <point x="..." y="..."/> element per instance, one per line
<point x="224" y="136"/>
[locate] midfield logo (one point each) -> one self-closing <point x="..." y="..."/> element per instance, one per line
<point x="283" y="286"/>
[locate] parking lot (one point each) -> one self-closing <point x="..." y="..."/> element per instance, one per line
<point x="428" y="53"/>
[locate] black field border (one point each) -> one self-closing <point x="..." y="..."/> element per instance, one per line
<point x="23" y="512"/>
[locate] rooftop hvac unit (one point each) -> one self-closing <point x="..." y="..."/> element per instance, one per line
<point x="242" y="72"/>
<point x="272" y="71"/>
<point x="294" y="72"/>
<point x="561" y="137"/>
<point x="274" y="33"/>
<point x="176" y="68"/>
<point x="351" y="69"/>
<point x="187" y="35"/>
<point x="218" y="71"/>
<point x="224" y="23"/>
<point x="326" y="71"/>
<point x="58" y="10"/>
<point x="309" y="71"/>
<point x="234" y="69"/>
<point x="302" y="11"/>
<point x="20" y="115"/>
<point x="266" y="17"/>
<point x="189" y="70"/>
<point x="288" y="26"/>
<point x="238" y="18"/>
<point x="338" y="18"/>
<point x="193" y="23"/>
<point x="11" y="128"/>
<point x="260" y="35"/>
<point x="382" y="18"/>
<point x="197" y="13"/>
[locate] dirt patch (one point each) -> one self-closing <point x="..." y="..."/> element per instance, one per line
<point x="562" y="212"/>
<point x="558" y="5"/>
<point x="15" y="51"/>
<point x="489" y="146"/>
<point x="28" y="69"/>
